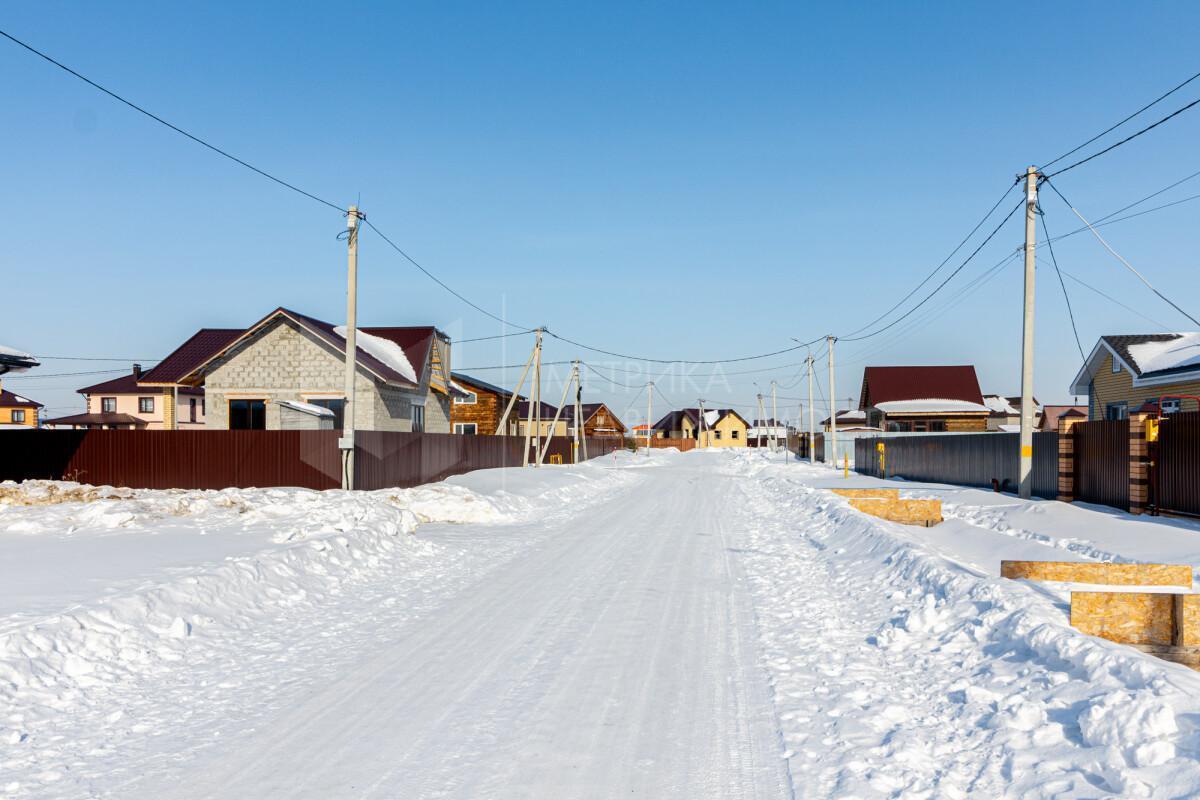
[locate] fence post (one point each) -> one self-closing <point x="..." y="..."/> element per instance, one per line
<point x="1066" y="455"/>
<point x="1139" y="460"/>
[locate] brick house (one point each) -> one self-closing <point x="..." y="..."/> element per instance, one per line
<point x="1124" y="372"/>
<point x="403" y="375"/>
<point x="477" y="408"/>
<point x="932" y="399"/>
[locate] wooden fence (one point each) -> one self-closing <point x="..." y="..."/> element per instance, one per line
<point x="222" y="459"/>
<point x="680" y="444"/>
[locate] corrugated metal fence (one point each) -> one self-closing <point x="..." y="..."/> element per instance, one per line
<point x="964" y="459"/>
<point x="1175" y="483"/>
<point x="221" y="459"/>
<point x="1102" y="462"/>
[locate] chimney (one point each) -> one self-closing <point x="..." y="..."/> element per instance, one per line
<point x="137" y="371"/>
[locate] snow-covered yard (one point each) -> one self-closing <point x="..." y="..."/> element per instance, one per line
<point x="706" y="624"/>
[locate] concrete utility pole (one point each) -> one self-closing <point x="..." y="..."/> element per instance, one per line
<point x="346" y="443"/>
<point x="649" y="412"/>
<point x="700" y="422"/>
<point x="758" y="423"/>
<point x="575" y="402"/>
<point x="812" y="426"/>
<point x="1025" y="472"/>
<point x="833" y="453"/>
<point x="579" y="410"/>
<point x="774" y="420"/>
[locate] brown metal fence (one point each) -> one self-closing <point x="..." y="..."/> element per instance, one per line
<point x="1175" y="485"/>
<point x="221" y="459"/>
<point x="1102" y="462"/>
<point x="986" y="460"/>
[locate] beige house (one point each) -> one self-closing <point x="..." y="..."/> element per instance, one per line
<point x="1124" y="372"/>
<point x="521" y="410"/>
<point x="124" y="404"/>
<point x="723" y="427"/>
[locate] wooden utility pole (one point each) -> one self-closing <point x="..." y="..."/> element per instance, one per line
<point x="346" y="443"/>
<point x="833" y="453"/>
<point x="1025" y="471"/>
<point x="571" y="380"/>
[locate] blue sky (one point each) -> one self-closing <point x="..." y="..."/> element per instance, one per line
<point x="675" y="180"/>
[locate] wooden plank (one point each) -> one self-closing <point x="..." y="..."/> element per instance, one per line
<point x="1142" y="618"/>
<point x="926" y="513"/>
<point x="1099" y="572"/>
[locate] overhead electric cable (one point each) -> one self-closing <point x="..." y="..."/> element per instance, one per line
<point x="1063" y="284"/>
<point x="1115" y="301"/>
<point x="1127" y="139"/>
<point x="678" y="360"/>
<point x="497" y="336"/>
<point x="1118" y="256"/>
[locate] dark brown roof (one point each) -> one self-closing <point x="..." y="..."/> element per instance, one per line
<point x="548" y="411"/>
<point x="890" y="384"/>
<point x="128" y="384"/>
<point x="588" y="411"/>
<point x="1121" y="345"/>
<point x="202" y="346"/>
<point x="673" y="420"/>
<point x="467" y="380"/>
<point x="98" y="419"/>
<point x="1052" y="414"/>
<point x="10" y="400"/>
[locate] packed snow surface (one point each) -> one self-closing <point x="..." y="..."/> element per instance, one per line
<point x="1183" y="351"/>
<point x="711" y="624"/>
<point x="387" y="351"/>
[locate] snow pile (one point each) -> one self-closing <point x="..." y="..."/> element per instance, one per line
<point x="385" y="350"/>
<point x="900" y="672"/>
<point x="1182" y="351"/>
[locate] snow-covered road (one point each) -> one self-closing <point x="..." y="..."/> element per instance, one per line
<point x="701" y="625"/>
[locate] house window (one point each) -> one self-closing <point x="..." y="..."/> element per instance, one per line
<point x="938" y="426"/>
<point x="1116" y="411"/>
<point x="18" y="415"/>
<point x="466" y="428"/>
<point x="1116" y="366"/>
<point x="470" y="400"/>
<point x="733" y="434"/>
<point x="899" y="427"/>
<point x="247" y="415"/>
<point x="919" y="427"/>
<point x="716" y="434"/>
<point x="192" y="409"/>
<point x="108" y="405"/>
<point x="335" y="404"/>
<point x="1172" y="406"/>
<point x="418" y="419"/>
<point x="145" y="405"/>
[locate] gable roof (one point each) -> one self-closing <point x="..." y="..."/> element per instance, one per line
<point x="10" y="400"/>
<point x="415" y="343"/>
<point x="200" y="347"/>
<point x="1051" y="415"/>
<point x="1152" y="358"/>
<point x="548" y="411"/>
<point x="467" y="380"/>
<point x="673" y="420"/>
<point x="589" y="410"/>
<point x="894" y="384"/>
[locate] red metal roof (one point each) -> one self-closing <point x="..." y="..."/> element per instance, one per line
<point x="99" y="419"/>
<point x="129" y="384"/>
<point x="202" y="345"/>
<point x="889" y="384"/>
<point x="10" y="400"/>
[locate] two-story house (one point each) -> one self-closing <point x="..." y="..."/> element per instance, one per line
<point x="403" y="378"/>
<point x="1124" y="372"/>
<point x="17" y="411"/>
<point x="125" y="404"/>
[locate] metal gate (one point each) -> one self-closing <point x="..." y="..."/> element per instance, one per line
<point x="1102" y="462"/>
<point x="1176" y="477"/>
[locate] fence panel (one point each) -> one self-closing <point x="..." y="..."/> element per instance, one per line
<point x="985" y="460"/>
<point x="1102" y="462"/>
<point x="680" y="444"/>
<point x="1176" y="485"/>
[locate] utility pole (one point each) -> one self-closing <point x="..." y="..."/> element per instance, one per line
<point x="571" y="380"/>
<point x="579" y="411"/>
<point x="346" y="443"/>
<point x="774" y="420"/>
<point x="575" y="432"/>
<point x="758" y="423"/>
<point x="501" y="428"/>
<point x="649" y="412"/>
<point x="812" y="427"/>
<point x="535" y="359"/>
<point x="537" y="401"/>
<point x="700" y="422"/>
<point x="1025" y="472"/>
<point x="833" y="453"/>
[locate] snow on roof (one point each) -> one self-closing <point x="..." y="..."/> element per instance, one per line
<point x="8" y="351"/>
<point x="1173" y="354"/>
<point x="999" y="404"/>
<point x="1006" y="428"/>
<point x="711" y="417"/>
<point x="384" y="350"/>
<point x="930" y="405"/>
<point x="462" y="392"/>
<point x="307" y="408"/>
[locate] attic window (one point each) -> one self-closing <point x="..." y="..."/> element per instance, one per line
<point x="1116" y="366"/>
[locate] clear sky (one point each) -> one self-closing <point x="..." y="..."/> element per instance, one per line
<point x="676" y="180"/>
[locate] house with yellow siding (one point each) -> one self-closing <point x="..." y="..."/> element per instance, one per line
<point x="722" y="427"/>
<point x="17" y="411"/>
<point x="1124" y="372"/>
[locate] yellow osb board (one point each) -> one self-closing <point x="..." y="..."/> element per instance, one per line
<point x="1127" y="617"/>
<point x="1187" y="620"/>
<point x="909" y="512"/>
<point x="893" y="494"/>
<point x="1096" y="572"/>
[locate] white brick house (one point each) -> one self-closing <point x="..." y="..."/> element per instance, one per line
<point x="403" y="375"/>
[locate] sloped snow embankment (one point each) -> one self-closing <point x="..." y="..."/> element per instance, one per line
<point x="185" y="599"/>
<point x="898" y="672"/>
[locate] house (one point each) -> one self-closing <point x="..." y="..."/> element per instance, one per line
<point x="167" y="378"/>
<point x="923" y="398"/>
<point x="17" y="412"/>
<point x="677" y="425"/>
<point x="1052" y="414"/>
<point x="547" y="417"/>
<point x="124" y="404"/>
<point x="598" y="420"/>
<point x="403" y="377"/>
<point x="851" y="419"/>
<point x="1005" y="413"/>
<point x="762" y="430"/>
<point x="723" y="427"/>
<point x="1124" y="372"/>
<point x="477" y="408"/>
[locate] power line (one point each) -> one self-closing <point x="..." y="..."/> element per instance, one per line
<point x="1107" y="219"/>
<point x="607" y="378"/>
<point x="678" y="360"/>
<point x="1118" y="256"/>
<point x="1129" y="138"/>
<point x="173" y="127"/>
<point x="87" y="358"/>
<point x="1114" y="300"/>
<point x="1107" y="131"/>
<point x="1062" y="283"/>
<point x="509" y="366"/>
<point x="487" y="338"/>
<point x="36" y="375"/>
